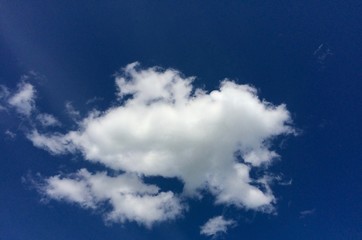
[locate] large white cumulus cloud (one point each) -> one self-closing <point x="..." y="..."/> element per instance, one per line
<point x="164" y="127"/>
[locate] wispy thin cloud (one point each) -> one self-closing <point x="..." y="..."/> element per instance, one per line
<point x="216" y="226"/>
<point x="47" y="120"/>
<point x="24" y="99"/>
<point x="72" y="112"/>
<point x="10" y="134"/>
<point x="307" y="213"/>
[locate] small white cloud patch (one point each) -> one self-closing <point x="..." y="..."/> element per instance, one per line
<point x="166" y="128"/>
<point x="306" y="213"/>
<point x="72" y="112"/>
<point x="24" y="99"/>
<point x="10" y="134"/>
<point x="55" y="143"/>
<point x="216" y="225"/>
<point x="4" y="94"/>
<point x="47" y="120"/>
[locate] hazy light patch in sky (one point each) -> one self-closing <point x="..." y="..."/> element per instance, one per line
<point x="164" y="127"/>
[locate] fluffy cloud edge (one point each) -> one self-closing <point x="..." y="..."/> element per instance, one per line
<point x="120" y="198"/>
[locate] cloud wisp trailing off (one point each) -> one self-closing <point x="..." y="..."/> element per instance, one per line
<point x="22" y="101"/>
<point x="165" y="127"/>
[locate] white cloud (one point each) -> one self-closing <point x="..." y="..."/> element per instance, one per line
<point x="72" y="112"/>
<point x="306" y="213"/>
<point x="47" y="120"/>
<point x="130" y="199"/>
<point x="216" y="225"/>
<point x="10" y="134"/>
<point x="164" y="127"/>
<point x="23" y="99"/>
<point x="55" y="143"/>
<point x="4" y="94"/>
<point x="94" y="100"/>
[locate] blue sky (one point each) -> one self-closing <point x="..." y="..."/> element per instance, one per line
<point x="97" y="146"/>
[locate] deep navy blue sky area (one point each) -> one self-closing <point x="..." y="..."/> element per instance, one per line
<point x="305" y="54"/>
